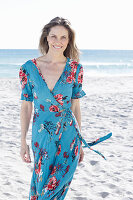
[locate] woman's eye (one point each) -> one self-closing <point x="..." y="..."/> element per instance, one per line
<point x="53" y="36"/>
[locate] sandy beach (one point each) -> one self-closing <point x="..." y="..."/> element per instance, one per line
<point x="107" y="107"/>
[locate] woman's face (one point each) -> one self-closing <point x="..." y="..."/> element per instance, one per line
<point x="58" y="38"/>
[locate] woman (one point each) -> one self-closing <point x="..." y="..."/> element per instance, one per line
<point x="54" y="82"/>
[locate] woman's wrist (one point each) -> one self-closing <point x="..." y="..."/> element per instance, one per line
<point x="23" y="141"/>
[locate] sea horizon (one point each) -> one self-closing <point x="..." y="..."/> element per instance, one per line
<point x="96" y="62"/>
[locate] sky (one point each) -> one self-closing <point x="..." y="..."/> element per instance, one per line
<point x="99" y="24"/>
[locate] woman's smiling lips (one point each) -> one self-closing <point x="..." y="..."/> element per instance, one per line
<point x="56" y="47"/>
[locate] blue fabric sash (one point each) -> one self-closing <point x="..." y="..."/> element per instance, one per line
<point x="96" y="142"/>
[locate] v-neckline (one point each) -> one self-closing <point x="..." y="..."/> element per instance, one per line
<point x="40" y="73"/>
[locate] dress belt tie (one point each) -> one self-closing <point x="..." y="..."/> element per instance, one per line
<point x="101" y="139"/>
<point x="89" y="144"/>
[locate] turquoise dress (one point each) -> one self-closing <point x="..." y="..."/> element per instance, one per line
<point x="56" y="137"/>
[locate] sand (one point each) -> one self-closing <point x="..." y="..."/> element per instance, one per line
<point x="107" y="107"/>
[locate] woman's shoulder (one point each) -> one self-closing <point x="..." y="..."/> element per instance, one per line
<point x="75" y="64"/>
<point x="28" y="64"/>
<point x="27" y="67"/>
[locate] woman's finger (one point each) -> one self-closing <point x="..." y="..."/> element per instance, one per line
<point x="25" y="154"/>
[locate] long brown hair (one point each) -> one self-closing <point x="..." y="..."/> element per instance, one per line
<point x="71" y="51"/>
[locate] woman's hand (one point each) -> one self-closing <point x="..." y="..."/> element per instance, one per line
<point x="25" y="153"/>
<point x="81" y="156"/>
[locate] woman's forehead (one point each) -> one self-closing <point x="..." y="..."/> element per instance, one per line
<point x="59" y="29"/>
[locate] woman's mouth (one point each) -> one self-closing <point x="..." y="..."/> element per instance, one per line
<point x="57" y="47"/>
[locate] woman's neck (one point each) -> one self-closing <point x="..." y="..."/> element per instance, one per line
<point x="55" y="57"/>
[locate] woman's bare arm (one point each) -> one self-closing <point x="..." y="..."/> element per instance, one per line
<point x="25" y="116"/>
<point x="75" y="107"/>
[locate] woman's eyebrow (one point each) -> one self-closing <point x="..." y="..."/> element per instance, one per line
<point x="55" y="35"/>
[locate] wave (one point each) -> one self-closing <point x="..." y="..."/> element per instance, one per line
<point x="93" y="73"/>
<point x="16" y="64"/>
<point x="90" y="69"/>
<point x="107" y="63"/>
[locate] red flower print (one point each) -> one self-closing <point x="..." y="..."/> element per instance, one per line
<point x="60" y="136"/>
<point x="34" y="61"/>
<point x="23" y="78"/>
<point x="52" y="183"/>
<point x="58" y="128"/>
<point x="71" y="122"/>
<point x="53" y="108"/>
<point x="68" y="101"/>
<point x="34" y="197"/>
<point x="69" y="79"/>
<point x="42" y="107"/>
<point x="80" y="76"/>
<point x="59" y="149"/>
<point x="73" y="74"/>
<point x="36" y="144"/>
<point x="54" y="170"/>
<point x="74" y="65"/>
<point x="67" y="169"/>
<point x="65" y="155"/>
<point x="58" y="114"/>
<point x="76" y="150"/>
<point x="21" y="74"/>
<point x="26" y="95"/>
<point x="71" y="145"/>
<point x="58" y="98"/>
<point x="37" y="171"/>
<point x="50" y="167"/>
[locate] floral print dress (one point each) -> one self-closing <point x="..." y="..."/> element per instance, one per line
<point x="56" y="137"/>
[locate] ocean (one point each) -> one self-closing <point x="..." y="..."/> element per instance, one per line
<point x="95" y="62"/>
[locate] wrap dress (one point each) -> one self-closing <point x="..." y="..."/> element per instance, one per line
<point x="56" y="137"/>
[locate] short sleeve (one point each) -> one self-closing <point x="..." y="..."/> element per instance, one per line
<point x="26" y="93"/>
<point x="77" y="91"/>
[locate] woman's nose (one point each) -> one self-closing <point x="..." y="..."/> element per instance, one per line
<point x="58" y="40"/>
